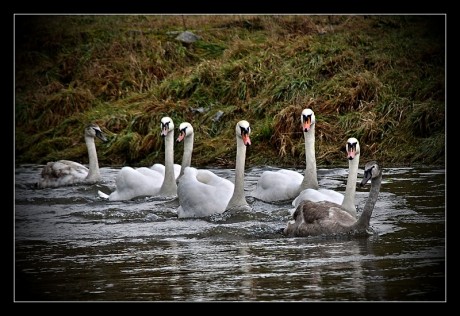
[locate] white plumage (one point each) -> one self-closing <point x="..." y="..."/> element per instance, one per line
<point x="154" y="181"/>
<point x="202" y="193"/>
<point x="285" y="184"/>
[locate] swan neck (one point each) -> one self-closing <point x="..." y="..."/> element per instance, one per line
<point x="187" y="156"/>
<point x="364" y="219"/>
<point x="310" y="179"/>
<point x="169" y="186"/>
<point x="238" y="198"/>
<point x="93" y="173"/>
<point x="350" y="191"/>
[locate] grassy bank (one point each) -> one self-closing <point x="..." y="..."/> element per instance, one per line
<point x="380" y="79"/>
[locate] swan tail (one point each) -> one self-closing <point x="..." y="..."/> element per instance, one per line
<point x="103" y="195"/>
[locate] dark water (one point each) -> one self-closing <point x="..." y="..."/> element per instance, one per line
<point x="72" y="246"/>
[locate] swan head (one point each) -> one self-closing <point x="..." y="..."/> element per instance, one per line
<point x="308" y="119"/>
<point x="167" y="125"/>
<point x="93" y="130"/>
<point x="185" y="129"/>
<point x="371" y="170"/>
<point x="243" y="130"/>
<point x="352" y="148"/>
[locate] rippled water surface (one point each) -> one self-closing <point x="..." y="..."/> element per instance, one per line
<point x="72" y="246"/>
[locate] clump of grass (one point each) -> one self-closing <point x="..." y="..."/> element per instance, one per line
<point x="142" y="124"/>
<point x="239" y="49"/>
<point x="348" y="91"/>
<point x="209" y="50"/>
<point x="69" y="101"/>
<point x="291" y="89"/>
<point x="431" y="150"/>
<point x="117" y="123"/>
<point x="287" y="130"/>
<point x="246" y="22"/>
<point x="128" y="144"/>
<point x="329" y="67"/>
<point x="426" y="118"/>
<point x="264" y="131"/>
<point x="53" y="103"/>
<point x="50" y="148"/>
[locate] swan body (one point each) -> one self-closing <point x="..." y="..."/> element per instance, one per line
<point x="66" y="172"/>
<point x="347" y="201"/>
<point x="285" y="184"/>
<point x="318" y="195"/>
<point x="202" y="193"/>
<point x="327" y="218"/>
<point x="277" y="185"/>
<point x="158" y="167"/>
<point x="154" y="181"/>
<point x="138" y="182"/>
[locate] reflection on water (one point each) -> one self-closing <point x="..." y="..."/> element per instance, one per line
<point x="72" y="246"/>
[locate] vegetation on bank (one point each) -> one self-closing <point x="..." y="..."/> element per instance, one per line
<point x="380" y="79"/>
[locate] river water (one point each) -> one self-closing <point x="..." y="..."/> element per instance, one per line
<point x="72" y="246"/>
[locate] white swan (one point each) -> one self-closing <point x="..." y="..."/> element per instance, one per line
<point x="285" y="184"/>
<point x="202" y="193"/>
<point x="326" y="218"/>
<point x="66" y="172"/>
<point x="158" y="180"/>
<point x="347" y="201"/>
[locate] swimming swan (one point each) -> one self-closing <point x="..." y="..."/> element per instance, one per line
<point x="347" y="201"/>
<point x="66" y="172"/>
<point x="158" y="180"/>
<point x="202" y="193"/>
<point x="285" y="184"/>
<point x="326" y="218"/>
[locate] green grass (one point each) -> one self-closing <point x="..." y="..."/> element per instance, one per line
<point x="380" y="79"/>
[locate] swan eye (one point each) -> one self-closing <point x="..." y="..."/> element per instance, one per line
<point x="351" y="146"/>
<point x="165" y="128"/>
<point x="245" y="131"/>
<point x="369" y="171"/>
<point x="165" y="125"/>
<point x="307" y="118"/>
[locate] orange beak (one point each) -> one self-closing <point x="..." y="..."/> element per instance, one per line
<point x="181" y="137"/>
<point x="306" y="125"/>
<point x="351" y="154"/>
<point x="246" y="139"/>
